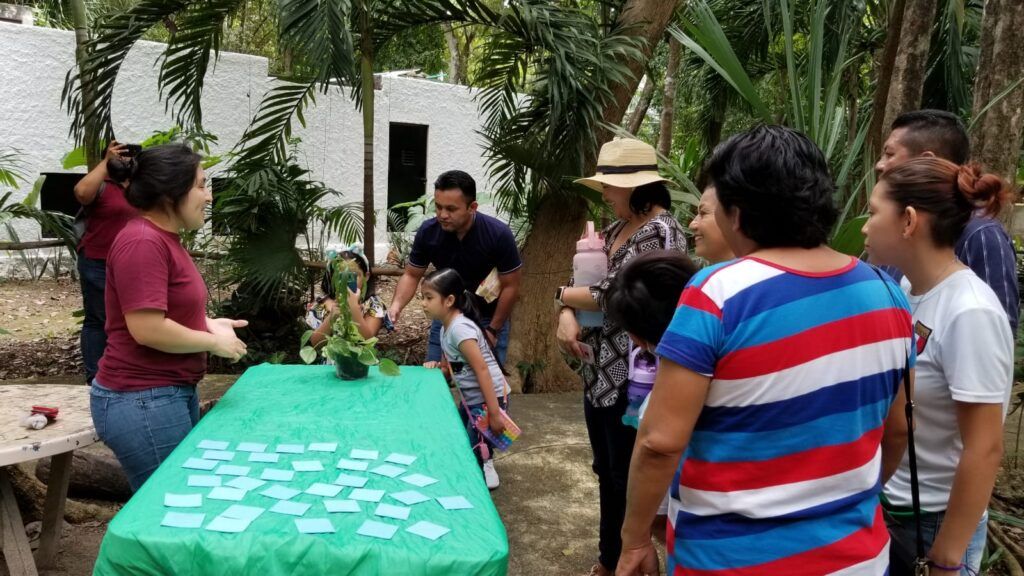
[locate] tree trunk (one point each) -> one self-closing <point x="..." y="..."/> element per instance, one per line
<point x="80" y="16"/>
<point x="668" y="100"/>
<point x="910" y="67"/>
<point x="369" y="216"/>
<point x="559" y="222"/>
<point x="997" y="133"/>
<point x="643" y="104"/>
<point x="878" y="130"/>
<point x="454" y="60"/>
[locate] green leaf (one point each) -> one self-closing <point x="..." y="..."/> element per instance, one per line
<point x="80" y="313"/>
<point x="74" y="159"/>
<point x="368" y="357"/>
<point x="308" y="354"/>
<point x="4" y="332"/>
<point x="305" y="337"/>
<point x="388" y="367"/>
<point x="848" y="238"/>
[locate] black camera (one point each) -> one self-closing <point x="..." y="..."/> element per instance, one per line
<point x="131" y="150"/>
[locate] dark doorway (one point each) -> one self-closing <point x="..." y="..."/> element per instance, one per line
<point x="58" y="195"/>
<point x="407" y="166"/>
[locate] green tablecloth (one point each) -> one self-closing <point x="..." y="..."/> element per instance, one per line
<point x="411" y="414"/>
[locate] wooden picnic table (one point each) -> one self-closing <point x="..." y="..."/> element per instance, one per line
<point x="72" y="430"/>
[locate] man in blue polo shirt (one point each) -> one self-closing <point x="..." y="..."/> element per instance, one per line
<point x="472" y="243"/>
<point x="984" y="246"/>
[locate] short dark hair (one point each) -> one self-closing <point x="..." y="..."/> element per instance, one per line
<point x="642" y="298"/>
<point x="779" y="180"/>
<point x="453" y="179"/>
<point x="937" y="131"/>
<point x="120" y="169"/>
<point x="647" y="196"/>
<point x="162" y="175"/>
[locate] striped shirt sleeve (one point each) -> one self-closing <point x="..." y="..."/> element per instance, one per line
<point x="695" y="335"/>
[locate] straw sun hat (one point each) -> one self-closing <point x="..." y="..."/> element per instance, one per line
<point x="624" y="163"/>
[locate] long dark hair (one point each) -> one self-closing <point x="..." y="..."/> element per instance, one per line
<point x="447" y="282"/>
<point x="162" y="176"/>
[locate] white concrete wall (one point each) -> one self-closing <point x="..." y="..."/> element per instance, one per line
<point x="34" y="62"/>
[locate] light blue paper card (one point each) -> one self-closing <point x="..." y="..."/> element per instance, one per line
<point x="183" y="520"/>
<point x="218" y="455"/>
<point x="290" y="448"/>
<point x="200" y="464"/>
<point x="428" y="530"/>
<point x="203" y="480"/>
<point x="388" y="470"/>
<point x="245" y="483"/>
<point x="261" y="457"/>
<point x="280" y="492"/>
<point x="225" y="524"/>
<point x="418" y="480"/>
<point x="225" y="493"/>
<point x="231" y="470"/>
<point x="352" y="465"/>
<point x="213" y="445"/>
<point x="307" y="466"/>
<point x="277" y="475"/>
<point x="403" y="459"/>
<point x="454" y="503"/>
<point x="321" y="489"/>
<point x="390" y="511"/>
<point x="290" y="508"/>
<point x="409" y="497"/>
<point x="366" y="495"/>
<point x="358" y="454"/>
<point x="314" y="525"/>
<point x="239" y="512"/>
<point x="377" y="530"/>
<point x="351" y="481"/>
<point x="183" y="500"/>
<point x="251" y="447"/>
<point x="323" y="446"/>
<point x="342" y="506"/>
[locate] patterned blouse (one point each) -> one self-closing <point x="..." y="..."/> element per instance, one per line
<point x="604" y="382"/>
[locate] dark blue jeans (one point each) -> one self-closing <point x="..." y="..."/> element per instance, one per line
<point x="93" y="276"/>
<point x="434" y="341"/>
<point x="143" y="427"/>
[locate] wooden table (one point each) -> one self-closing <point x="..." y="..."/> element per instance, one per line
<point x="72" y="430"/>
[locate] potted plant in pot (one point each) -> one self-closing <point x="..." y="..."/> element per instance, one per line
<point x="351" y="353"/>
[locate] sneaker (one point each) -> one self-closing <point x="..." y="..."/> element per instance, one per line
<point x="491" y="475"/>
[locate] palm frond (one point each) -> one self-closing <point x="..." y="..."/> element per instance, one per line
<point x="198" y="31"/>
<point x="266" y="138"/>
<point x="322" y="31"/>
<point x="113" y="38"/>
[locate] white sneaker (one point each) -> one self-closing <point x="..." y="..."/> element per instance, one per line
<point x="491" y="475"/>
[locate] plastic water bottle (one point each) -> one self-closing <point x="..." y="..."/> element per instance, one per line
<point x="643" y="366"/>
<point x="589" y="267"/>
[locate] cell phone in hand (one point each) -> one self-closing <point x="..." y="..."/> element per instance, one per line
<point x="588" y="353"/>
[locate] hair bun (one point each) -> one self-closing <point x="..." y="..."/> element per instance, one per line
<point x="982" y="190"/>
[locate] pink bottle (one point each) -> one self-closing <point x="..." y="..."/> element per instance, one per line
<point x="589" y="267"/>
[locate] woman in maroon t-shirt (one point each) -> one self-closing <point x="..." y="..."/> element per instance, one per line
<point x="101" y="191"/>
<point x="144" y="397"/>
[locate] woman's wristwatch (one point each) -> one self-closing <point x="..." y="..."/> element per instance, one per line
<point x="558" y="298"/>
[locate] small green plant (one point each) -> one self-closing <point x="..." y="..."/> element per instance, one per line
<point x="345" y="345"/>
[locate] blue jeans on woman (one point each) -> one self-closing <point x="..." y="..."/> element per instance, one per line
<point x="144" y="426"/>
<point x="903" y="535"/>
<point x="92" y="274"/>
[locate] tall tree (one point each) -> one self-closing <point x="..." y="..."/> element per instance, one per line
<point x="883" y="79"/>
<point x="559" y="220"/>
<point x="911" y="65"/>
<point x="998" y="114"/>
<point x="643" y="104"/>
<point x="668" y="101"/>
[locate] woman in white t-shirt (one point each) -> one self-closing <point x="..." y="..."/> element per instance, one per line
<point x="964" y="369"/>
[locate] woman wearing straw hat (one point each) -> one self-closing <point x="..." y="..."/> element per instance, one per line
<point x="628" y="179"/>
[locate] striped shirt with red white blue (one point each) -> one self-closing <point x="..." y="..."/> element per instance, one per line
<point x="782" y="473"/>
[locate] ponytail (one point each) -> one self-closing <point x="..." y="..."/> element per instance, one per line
<point x="447" y="282"/>
<point x="949" y="192"/>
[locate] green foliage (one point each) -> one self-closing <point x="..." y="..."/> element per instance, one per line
<point x="345" y="341"/>
<point x="12" y="172"/>
<point x="198" y="140"/>
<point x="421" y="47"/>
